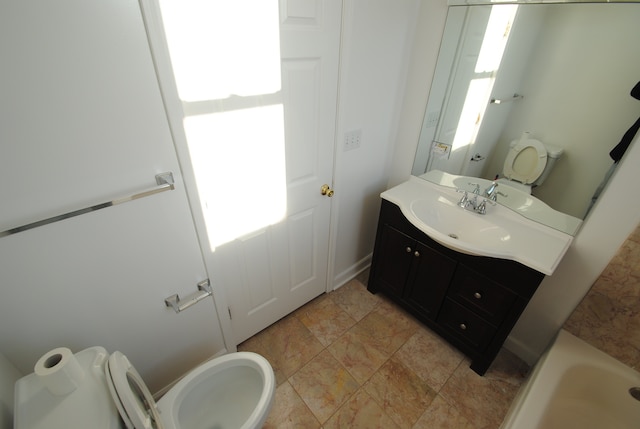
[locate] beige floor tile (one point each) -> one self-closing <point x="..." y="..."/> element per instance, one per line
<point x="358" y="353"/>
<point x="379" y="364"/>
<point x="288" y="345"/>
<point x="360" y="412"/>
<point x="402" y="395"/>
<point x="430" y="357"/>
<point x="325" y="319"/>
<point x="289" y="411"/>
<point x="365" y="347"/>
<point x="484" y="401"/>
<point x="355" y="299"/>
<point x="324" y="385"/>
<point x="441" y="415"/>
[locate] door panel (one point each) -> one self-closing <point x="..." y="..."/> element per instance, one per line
<point x="82" y="122"/>
<point x="292" y="269"/>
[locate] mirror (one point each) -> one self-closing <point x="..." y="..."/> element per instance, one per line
<point x="561" y="72"/>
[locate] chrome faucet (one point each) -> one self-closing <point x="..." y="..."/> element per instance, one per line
<point x="491" y="191"/>
<point x="472" y="204"/>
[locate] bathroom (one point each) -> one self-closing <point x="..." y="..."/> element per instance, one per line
<point x="383" y="87"/>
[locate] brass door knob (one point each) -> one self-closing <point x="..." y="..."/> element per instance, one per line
<point x="326" y="190"/>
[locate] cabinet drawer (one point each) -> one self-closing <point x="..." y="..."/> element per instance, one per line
<point x="485" y="297"/>
<point x="465" y="324"/>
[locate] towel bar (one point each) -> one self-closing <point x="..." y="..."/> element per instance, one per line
<point x="515" y="97"/>
<point x="164" y="181"/>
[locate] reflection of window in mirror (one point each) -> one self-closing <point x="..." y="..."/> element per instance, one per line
<point x="477" y="64"/>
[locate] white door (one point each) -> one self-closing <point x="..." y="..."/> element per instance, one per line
<point x="270" y="273"/>
<point x="82" y="122"/>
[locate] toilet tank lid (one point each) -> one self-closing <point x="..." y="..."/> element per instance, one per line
<point x="89" y="406"/>
<point x="553" y="151"/>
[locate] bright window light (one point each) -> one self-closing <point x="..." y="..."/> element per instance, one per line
<point x="474" y="103"/>
<point x="225" y="57"/>
<point x="239" y="157"/>
<point x="495" y="38"/>
<point x="220" y="48"/>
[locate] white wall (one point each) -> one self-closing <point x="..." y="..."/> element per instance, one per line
<point x="82" y="122"/>
<point x="375" y="42"/>
<point x="612" y="219"/>
<point x="422" y="64"/>
<point x="8" y="377"/>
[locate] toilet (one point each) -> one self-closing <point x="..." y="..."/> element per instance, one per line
<point x="528" y="163"/>
<point x="232" y="391"/>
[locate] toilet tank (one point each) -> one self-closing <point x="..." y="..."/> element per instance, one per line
<point x="553" y="154"/>
<point x="88" y="406"/>
<point x="9" y="374"/>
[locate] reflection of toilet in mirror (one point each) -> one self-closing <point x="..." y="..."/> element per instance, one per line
<point x="528" y="163"/>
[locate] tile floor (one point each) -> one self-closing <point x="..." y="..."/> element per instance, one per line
<point x="350" y="359"/>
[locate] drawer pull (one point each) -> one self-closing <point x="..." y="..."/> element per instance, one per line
<point x="408" y="249"/>
<point x="416" y="254"/>
<point x="477" y="295"/>
<point x="463" y="326"/>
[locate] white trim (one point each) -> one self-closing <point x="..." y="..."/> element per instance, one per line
<point x="520" y="349"/>
<point x="175" y="115"/>
<point x="351" y="272"/>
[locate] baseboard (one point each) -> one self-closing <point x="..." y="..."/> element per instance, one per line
<point x="521" y="350"/>
<point x="352" y="271"/>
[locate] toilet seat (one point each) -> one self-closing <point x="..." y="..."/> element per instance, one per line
<point x="525" y="161"/>
<point x="133" y="399"/>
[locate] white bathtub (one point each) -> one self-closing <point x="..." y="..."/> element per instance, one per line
<point x="575" y="385"/>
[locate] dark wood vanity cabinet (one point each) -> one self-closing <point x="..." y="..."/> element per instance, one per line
<point x="471" y="301"/>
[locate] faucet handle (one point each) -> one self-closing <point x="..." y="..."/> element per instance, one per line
<point x="482" y="207"/>
<point x="477" y="188"/>
<point x="464" y="199"/>
<point x="494" y="195"/>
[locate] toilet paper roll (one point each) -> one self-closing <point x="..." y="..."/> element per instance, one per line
<point x="59" y="371"/>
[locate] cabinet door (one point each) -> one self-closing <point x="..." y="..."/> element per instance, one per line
<point x="432" y="272"/>
<point x="394" y="260"/>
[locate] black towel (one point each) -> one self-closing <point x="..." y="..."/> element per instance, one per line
<point x="621" y="148"/>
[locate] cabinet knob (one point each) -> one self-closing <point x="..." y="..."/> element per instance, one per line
<point x="477" y="295"/>
<point x="463" y="326"/>
<point x="408" y="249"/>
<point x="416" y="253"/>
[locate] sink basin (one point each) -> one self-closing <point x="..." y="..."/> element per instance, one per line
<point x="448" y="218"/>
<point x="521" y="202"/>
<point x="500" y="233"/>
